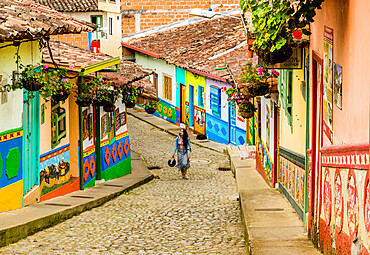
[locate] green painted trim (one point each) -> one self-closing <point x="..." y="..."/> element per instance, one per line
<point x="11" y="131"/>
<point x="294" y="204"/>
<point x="121" y="169"/>
<point x="99" y="66"/>
<point x="97" y="144"/>
<point x="296" y="158"/>
<point x="90" y="183"/>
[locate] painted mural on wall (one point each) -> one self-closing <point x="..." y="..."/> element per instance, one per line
<point x="187" y="113"/>
<point x="266" y="161"/>
<point x="344" y="205"/>
<point x="167" y="111"/>
<point x="89" y="167"/>
<point x="200" y="120"/>
<point x="54" y="170"/>
<point x="11" y="178"/>
<point x="291" y="177"/>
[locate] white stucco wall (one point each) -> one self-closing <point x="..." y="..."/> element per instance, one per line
<point x="161" y="68"/>
<point x="13" y="109"/>
<point x="267" y="115"/>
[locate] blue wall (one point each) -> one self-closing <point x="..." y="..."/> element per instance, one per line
<point x="217" y="129"/>
<point x="180" y="78"/>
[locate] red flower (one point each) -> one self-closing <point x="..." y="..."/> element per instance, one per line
<point x="297" y="34"/>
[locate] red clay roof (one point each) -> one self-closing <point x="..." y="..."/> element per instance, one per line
<point x="191" y="46"/>
<point x="25" y="19"/>
<point x="71" y="5"/>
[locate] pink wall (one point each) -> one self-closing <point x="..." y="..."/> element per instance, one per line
<point x="351" y="23"/>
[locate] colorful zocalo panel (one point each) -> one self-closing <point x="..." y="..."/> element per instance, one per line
<point x="116" y="157"/>
<point x="54" y="170"/>
<point x="11" y="181"/>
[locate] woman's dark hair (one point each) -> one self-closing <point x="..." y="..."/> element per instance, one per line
<point x="185" y="139"/>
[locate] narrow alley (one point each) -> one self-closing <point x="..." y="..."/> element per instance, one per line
<point x="168" y="215"/>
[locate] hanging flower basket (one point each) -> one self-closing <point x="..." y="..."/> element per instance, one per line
<point x="60" y="97"/>
<point x="31" y="84"/>
<point x="256" y="89"/>
<point x="277" y="56"/>
<point x="150" y="110"/>
<point x="247" y="115"/>
<point x="84" y="102"/>
<point x="110" y="107"/>
<point x="129" y="104"/>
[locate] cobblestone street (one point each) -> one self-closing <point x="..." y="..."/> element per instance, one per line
<point x="168" y="215"/>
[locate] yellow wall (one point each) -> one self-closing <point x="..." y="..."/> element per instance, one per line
<point x="295" y="140"/>
<point x="11" y="196"/>
<point x="195" y="80"/>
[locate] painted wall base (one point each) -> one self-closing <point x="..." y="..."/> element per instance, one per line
<point x="11" y="196"/>
<point x="73" y="185"/>
<point x="118" y="170"/>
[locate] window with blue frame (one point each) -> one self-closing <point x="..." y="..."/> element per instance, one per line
<point x="200" y="96"/>
<point x="215" y="101"/>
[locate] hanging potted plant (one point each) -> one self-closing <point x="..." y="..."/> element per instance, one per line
<point x="246" y="109"/>
<point x="57" y="85"/>
<point x="234" y="95"/>
<point x="31" y="79"/>
<point x="256" y="80"/>
<point x="151" y="107"/>
<point x="104" y="93"/>
<point x="277" y="24"/>
<point x="129" y="96"/>
<point x="85" y="94"/>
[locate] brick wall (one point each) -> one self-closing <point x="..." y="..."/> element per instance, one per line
<point x="157" y="13"/>
<point x="79" y="40"/>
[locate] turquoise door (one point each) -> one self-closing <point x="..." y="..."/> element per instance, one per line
<point x="232" y="125"/>
<point x="191" y="105"/>
<point x="31" y="142"/>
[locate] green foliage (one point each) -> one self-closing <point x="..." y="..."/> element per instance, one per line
<point x="56" y="82"/>
<point x="151" y="105"/>
<point x="246" y="106"/>
<point x="103" y="90"/>
<point x="276" y="20"/>
<point x="131" y="93"/>
<point x="256" y="74"/>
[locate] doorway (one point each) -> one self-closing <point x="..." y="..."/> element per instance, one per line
<point x="182" y="102"/>
<point x="191" y="105"/>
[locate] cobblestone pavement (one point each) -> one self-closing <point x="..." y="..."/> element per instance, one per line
<point x="168" y="215"/>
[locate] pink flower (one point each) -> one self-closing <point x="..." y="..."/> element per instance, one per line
<point x="275" y="72"/>
<point x="48" y="98"/>
<point x="65" y="79"/>
<point x="71" y="66"/>
<point x="53" y="83"/>
<point x="260" y="70"/>
<point x="239" y="101"/>
<point x="45" y="66"/>
<point x="297" y="34"/>
<point x="100" y="79"/>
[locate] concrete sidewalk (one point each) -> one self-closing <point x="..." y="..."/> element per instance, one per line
<point x="18" y="224"/>
<point x="171" y="128"/>
<point x="272" y="226"/>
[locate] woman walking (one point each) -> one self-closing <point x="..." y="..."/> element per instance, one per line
<point x="182" y="146"/>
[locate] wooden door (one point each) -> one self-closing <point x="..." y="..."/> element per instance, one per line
<point x="182" y="102"/>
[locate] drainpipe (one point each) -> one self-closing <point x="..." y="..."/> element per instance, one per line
<point x="80" y="127"/>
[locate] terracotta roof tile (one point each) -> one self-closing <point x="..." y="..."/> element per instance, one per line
<point x="193" y="45"/>
<point x="71" y="5"/>
<point x="25" y="19"/>
<point x="187" y="46"/>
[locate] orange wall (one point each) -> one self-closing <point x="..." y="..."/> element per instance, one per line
<point x="349" y="19"/>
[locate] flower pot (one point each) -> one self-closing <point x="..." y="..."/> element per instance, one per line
<point x="31" y="84"/>
<point x="84" y="103"/>
<point x="130" y="104"/>
<point x="277" y="56"/>
<point x="150" y="110"/>
<point x="256" y="89"/>
<point x="60" y="97"/>
<point x="109" y="107"/>
<point x="99" y="103"/>
<point x="247" y="115"/>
